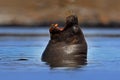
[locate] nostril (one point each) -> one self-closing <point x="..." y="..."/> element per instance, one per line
<point x="56" y="25"/>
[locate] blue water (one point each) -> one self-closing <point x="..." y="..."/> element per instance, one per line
<point x="103" y="62"/>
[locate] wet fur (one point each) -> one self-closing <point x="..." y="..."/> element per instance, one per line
<point x="66" y="46"/>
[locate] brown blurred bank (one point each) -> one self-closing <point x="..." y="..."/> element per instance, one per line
<point x="44" y="12"/>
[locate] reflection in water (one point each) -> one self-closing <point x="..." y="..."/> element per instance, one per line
<point x="75" y="61"/>
<point x="22" y="59"/>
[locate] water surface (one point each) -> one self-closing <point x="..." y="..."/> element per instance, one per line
<point x="20" y="56"/>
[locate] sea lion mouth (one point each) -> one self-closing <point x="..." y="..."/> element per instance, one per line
<point x="55" y="28"/>
<point x="70" y="21"/>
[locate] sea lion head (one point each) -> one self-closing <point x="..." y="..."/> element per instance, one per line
<point x="70" y="21"/>
<point x="70" y="33"/>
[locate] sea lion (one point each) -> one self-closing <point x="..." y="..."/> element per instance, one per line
<point x="67" y="46"/>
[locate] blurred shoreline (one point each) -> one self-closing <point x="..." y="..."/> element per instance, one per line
<point x="44" y="32"/>
<point x="31" y="13"/>
<point x="61" y="24"/>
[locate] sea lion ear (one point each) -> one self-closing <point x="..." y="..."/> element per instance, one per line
<point x="75" y="28"/>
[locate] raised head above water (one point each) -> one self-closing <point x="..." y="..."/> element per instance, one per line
<point x="67" y="46"/>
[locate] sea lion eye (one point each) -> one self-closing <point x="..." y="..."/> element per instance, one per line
<point x="75" y="29"/>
